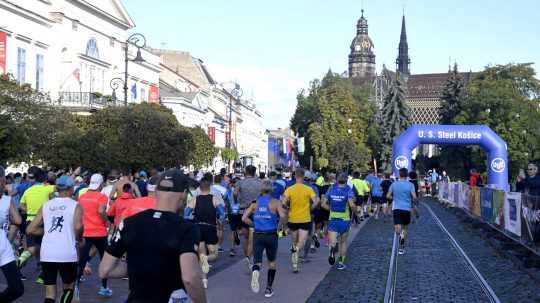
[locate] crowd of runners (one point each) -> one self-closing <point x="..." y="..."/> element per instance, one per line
<point x="162" y="230"/>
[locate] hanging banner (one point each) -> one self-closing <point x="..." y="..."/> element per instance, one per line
<point x="486" y="195"/>
<point x="531" y="214"/>
<point x="474" y="203"/>
<point x="512" y="213"/>
<point x="153" y="94"/>
<point x="498" y="208"/>
<point x="3" y="52"/>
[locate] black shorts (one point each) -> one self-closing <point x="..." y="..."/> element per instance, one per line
<point x="235" y="221"/>
<point x="67" y="271"/>
<point x="402" y="217"/>
<point x="208" y="234"/>
<point x="268" y="242"/>
<point x="320" y="215"/>
<point x="296" y="226"/>
<point x="360" y="200"/>
<point x="32" y="241"/>
<point x="376" y="200"/>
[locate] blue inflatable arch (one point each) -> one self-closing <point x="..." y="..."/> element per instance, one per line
<point x="481" y="135"/>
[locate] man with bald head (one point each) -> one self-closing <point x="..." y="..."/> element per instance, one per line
<point x="161" y="248"/>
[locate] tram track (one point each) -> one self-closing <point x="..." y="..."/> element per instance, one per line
<point x="464" y="264"/>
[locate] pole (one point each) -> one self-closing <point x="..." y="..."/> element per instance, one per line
<point x="311" y="163"/>
<point x="126" y="73"/>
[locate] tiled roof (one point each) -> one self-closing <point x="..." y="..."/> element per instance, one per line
<point x="430" y="85"/>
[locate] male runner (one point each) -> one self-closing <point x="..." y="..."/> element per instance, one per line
<point x="161" y="247"/>
<point x="298" y="199"/>
<point x="247" y="191"/>
<point x="361" y="188"/>
<point x="267" y="212"/>
<point x="8" y="215"/>
<point x="339" y="200"/>
<point x="403" y="194"/>
<point x="60" y="223"/>
<point x="218" y="188"/>
<point x="93" y="203"/>
<point x="208" y="207"/>
<point x="376" y="194"/>
<point x="385" y="186"/>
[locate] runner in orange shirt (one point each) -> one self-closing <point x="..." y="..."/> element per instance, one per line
<point x="118" y="207"/>
<point x="139" y="204"/>
<point x="95" y="224"/>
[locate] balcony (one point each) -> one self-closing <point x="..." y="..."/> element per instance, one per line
<point x="85" y="101"/>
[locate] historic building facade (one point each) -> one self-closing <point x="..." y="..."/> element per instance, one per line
<point x="424" y="91"/>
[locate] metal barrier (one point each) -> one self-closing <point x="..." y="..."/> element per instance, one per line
<point x="517" y="215"/>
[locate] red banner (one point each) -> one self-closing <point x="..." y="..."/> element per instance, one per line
<point x="154" y="94"/>
<point x="212" y="134"/>
<point x="3" y="52"/>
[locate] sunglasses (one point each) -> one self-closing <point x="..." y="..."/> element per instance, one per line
<point x="531" y="168"/>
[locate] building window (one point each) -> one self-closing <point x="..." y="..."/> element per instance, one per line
<point x="111" y="41"/>
<point x="92" y="49"/>
<point x="39" y="72"/>
<point x="21" y="65"/>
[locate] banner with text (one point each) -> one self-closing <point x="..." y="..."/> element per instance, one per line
<point x="486" y="195"/>
<point x="512" y="213"/>
<point x="498" y="208"/>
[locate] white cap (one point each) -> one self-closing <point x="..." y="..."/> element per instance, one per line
<point x="95" y="181"/>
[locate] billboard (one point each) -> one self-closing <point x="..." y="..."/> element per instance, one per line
<point x="3" y="52"/>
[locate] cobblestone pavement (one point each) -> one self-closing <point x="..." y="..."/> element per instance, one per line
<point x="368" y="260"/>
<point x="510" y="280"/>
<point x="431" y="270"/>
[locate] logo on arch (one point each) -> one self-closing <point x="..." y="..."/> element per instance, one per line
<point x="498" y="165"/>
<point x="401" y="162"/>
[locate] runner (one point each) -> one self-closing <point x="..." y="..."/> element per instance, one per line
<point x="403" y="195"/>
<point x="60" y="223"/>
<point x="93" y="203"/>
<point x="267" y="213"/>
<point x="207" y="208"/>
<point x="387" y="203"/>
<point x="117" y="208"/>
<point x="143" y="203"/>
<point x="339" y="200"/>
<point x="298" y="199"/>
<point x="413" y="178"/>
<point x="234" y="217"/>
<point x="31" y="202"/>
<point x="161" y="247"/>
<point x="8" y="215"/>
<point x="322" y="215"/>
<point x="247" y="191"/>
<point x="219" y="189"/>
<point x="361" y="188"/>
<point x="376" y="194"/>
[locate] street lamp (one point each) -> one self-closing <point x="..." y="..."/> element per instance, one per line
<point x="237" y="93"/>
<point x="140" y="42"/>
<point x="115" y="84"/>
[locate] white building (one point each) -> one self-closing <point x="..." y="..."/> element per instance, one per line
<point x="71" y="49"/>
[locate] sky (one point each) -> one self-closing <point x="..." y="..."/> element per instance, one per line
<point x="273" y="49"/>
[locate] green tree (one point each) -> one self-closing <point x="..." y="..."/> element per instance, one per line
<point x="453" y="97"/>
<point x="395" y="118"/>
<point x="507" y="99"/>
<point x="201" y="150"/>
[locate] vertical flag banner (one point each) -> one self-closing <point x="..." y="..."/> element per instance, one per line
<point x="154" y="94"/>
<point x="512" y="213"/>
<point x="134" y="91"/>
<point x="486" y="195"/>
<point x="474" y="205"/>
<point x="498" y="208"/>
<point x="3" y="52"/>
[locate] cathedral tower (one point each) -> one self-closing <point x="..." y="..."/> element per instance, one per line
<point x="362" y="57"/>
<point x="403" y="61"/>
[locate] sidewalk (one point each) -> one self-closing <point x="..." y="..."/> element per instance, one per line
<point x="233" y="284"/>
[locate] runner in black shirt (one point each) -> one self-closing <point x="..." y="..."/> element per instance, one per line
<point x="385" y="185"/>
<point x="160" y="246"/>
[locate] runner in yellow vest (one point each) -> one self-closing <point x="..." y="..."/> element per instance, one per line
<point x="361" y="189"/>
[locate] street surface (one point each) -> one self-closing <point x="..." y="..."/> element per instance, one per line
<point x="430" y="271"/>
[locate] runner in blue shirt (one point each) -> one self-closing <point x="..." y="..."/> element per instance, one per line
<point x="403" y="194"/>
<point x="376" y="194"/>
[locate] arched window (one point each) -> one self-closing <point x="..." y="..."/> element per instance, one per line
<point x="92" y="49"/>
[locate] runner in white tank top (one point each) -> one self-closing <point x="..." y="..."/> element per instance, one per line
<point x="61" y="219"/>
<point x="15" y="287"/>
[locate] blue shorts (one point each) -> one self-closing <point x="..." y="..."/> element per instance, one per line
<point x="339" y="226"/>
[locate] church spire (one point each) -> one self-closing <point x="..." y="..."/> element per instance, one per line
<point x="403" y="61"/>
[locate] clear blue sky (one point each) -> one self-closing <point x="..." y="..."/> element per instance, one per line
<point x="274" y="48"/>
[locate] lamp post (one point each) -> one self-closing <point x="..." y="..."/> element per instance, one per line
<point x="237" y="93"/>
<point x="140" y="42"/>
<point x="115" y="84"/>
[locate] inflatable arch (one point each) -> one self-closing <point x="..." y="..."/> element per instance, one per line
<point x="481" y="135"/>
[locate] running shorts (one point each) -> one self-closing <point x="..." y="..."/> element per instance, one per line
<point x="376" y="200"/>
<point x="339" y="226"/>
<point x="32" y="241"/>
<point x="67" y="271"/>
<point x="402" y="217"/>
<point x="320" y="215"/>
<point x="296" y="226"/>
<point x="268" y="242"/>
<point x="360" y="200"/>
<point x="208" y="234"/>
<point x="235" y="221"/>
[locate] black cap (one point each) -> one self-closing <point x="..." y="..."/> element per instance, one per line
<point x="173" y="180"/>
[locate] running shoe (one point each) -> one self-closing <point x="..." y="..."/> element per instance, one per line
<point x="204" y="264"/>
<point x="255" y="281"/>
<point x="232" y="253"/>
<point x="316" y="241"/>
<point x="332" y="256"/>
<point x="23" y="259"/>
<point x="294" y="259"/>
<point x="220" y="250"/>
<point x="23" y="277"/>
<point x="39" y="280"/>
<point x="236" y="238"/>
<point x="401" y="251"/>
<point x="269" y="292"/>
<point x="205" y="283"/>
<point x="341" y="266"/>
<point x="105" y="292"/>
